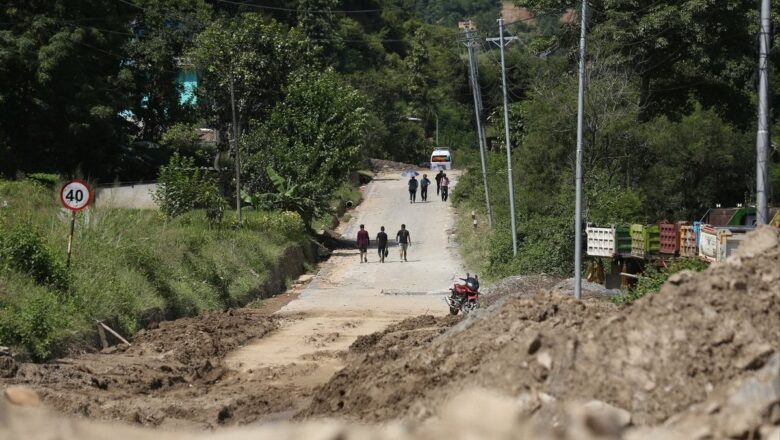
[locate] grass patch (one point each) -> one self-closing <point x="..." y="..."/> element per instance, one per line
<point x="127" y="266"/>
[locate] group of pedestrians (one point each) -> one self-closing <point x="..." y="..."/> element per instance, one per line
<point x="403" y="237"/>
<point x="442" y="187"/>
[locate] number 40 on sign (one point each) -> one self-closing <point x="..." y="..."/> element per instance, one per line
<point x="75" y="195"/>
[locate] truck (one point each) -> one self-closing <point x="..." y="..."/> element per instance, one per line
<point x="441" y="159"/>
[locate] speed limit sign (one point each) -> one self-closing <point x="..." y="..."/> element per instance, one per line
<point x="76" y="195"/>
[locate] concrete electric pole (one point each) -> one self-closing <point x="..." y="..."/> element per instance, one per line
<point x="237" y="157"/>
<point x="762" y="138"/>
<point x="468" y="27"/>
<point x="578" y="183"/>
<point x="501" y="41"/>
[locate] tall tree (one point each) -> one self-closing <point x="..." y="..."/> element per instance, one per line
<point x="254" y="54"/>
<point x="314" y="136"/>
<point x="677" y="48"/>
<point x="162" y="31"/>
<point x="64" y="83"/>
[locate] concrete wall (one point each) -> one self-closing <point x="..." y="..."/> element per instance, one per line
<point x="131" y="196"/>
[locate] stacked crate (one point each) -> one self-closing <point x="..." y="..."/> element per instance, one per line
<point x="687" y="241"/>
<point x="652" y="239"/>
<point x="708" y="242"/>
<point x="637" y="240"/>
<point x="668" y="243"/>
<point x="601" y="241"/>
<point x="622" y="240"/>
<point x="645" y="240"/>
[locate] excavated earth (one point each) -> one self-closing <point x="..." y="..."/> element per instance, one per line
<point x="171" y="376"/>
<point x="653" y="359"/>
<point x="699" y="360"/>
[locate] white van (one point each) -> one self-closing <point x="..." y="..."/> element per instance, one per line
<point x="441" y="159"/>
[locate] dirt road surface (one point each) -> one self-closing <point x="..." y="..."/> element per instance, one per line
<point x="347" y="298"/>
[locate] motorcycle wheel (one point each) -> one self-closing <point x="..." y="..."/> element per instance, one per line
<point x="453" y="311"/>
<point x="469" y="307"/>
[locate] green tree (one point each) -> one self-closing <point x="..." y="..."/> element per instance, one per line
<point x="696" y="163"/>
<point x="676" y="48"/>
<point x="64" y="85"/>
<point x="162" y="30"/>
<point x="253" y="54"/>
<point x="314" y="136"/>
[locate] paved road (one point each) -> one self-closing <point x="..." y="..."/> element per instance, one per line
<point x="348" y="298"/>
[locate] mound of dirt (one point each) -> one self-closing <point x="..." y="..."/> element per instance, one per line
<point x="653" y="359"/>
<point x="379" y="165"/>
<point x="170" y="374"/>
<point x="737" y="411"/>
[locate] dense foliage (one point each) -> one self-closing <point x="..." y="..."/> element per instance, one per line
<point x="146" y="89"/>
<point x="182" y="187"/>
<point x="669" y="124"/>
<point x="106" y="88"/>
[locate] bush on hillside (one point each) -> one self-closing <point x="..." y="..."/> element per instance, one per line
<point x="183" y="187"/>
<point x="23" y="249"/>
<point x="46" y="179"/>
<point x="36" y="322"/>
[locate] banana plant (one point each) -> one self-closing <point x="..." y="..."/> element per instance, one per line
<point x="304" y="199"/>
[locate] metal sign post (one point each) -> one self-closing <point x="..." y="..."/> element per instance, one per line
<point x="75" y="196"/>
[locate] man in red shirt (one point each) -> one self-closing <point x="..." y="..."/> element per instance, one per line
<point x="362" y="242"/>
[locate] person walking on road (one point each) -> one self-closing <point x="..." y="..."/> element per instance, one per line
<point x="424" y="183"/>
<point x="362" y="242"/>
<point x="381" y="244"/>
<point x="404" y="239"/>
<point x="445" y="188"/>
<point x="438" y="181"/>
<point x="412" y="190"/>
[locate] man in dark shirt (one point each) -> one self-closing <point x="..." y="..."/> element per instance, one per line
<point x="438" y="181"/>
<point x="412" y="190"/>
<point x="381" y="244"/>
<point x="424" y="182"/>
<point x="362" y="242"/>
<point x="405" y="239"/>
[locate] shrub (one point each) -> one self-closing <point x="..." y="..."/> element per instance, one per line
<point x="22" y="249"/>
<point x="183" y="187"/>
<point x="653" y="278"/>
<point x="286" y="223"/>
<point x="45" y="179"/>
<point x="36" y="322"/>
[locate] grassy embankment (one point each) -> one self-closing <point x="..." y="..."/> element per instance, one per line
<point x="129" y="267"/>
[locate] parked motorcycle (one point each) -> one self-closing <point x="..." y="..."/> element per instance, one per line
<point x="464" y="297"/>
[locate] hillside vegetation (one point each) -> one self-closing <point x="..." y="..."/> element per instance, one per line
<point x="669" y="128"/>
<point x="129" y="267"/>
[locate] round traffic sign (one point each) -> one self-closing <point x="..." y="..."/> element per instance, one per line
<point x="76" y="195"/>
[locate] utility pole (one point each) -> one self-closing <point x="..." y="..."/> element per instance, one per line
<point x="578" y="183"/>
<point x="469" y="27"/>
<point x="501" y="41"/>
<point x="235" y="149"/>
<point x="762" y="138"/>
<point x="435" y="114"/>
